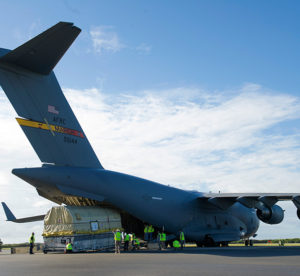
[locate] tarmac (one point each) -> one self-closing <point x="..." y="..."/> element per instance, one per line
<point x="265" y="261"/>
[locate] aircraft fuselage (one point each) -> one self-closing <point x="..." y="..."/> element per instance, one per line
<point x="163" y="206"/>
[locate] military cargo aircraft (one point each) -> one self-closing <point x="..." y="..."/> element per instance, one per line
<point x="71" y="173"/>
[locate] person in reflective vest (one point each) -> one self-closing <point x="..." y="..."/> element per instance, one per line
<point x="162" y="240"/>
<point x="133" y="242"/>
<point x="126" y="241"/>
<point x="150" y="232"/>
<point x="118" y="240"/>
<point x="176" y="245"/>
<point x="136" y="243"/>
<point x="69" y="247"/>
<point x="31" y="243"/>
<point x="182" y="239"/>
<point x="146" y="229"/>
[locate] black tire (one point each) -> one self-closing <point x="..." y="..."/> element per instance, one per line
<point x="209" y="242"/>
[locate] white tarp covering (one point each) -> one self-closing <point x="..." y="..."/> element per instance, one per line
<point x="70" y="220"/>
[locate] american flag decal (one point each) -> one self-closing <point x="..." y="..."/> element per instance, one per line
<point x="52" y="109"/>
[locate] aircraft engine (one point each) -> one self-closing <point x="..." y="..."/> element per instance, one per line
<point x="273" y="215"/>
<point x="298" y="213"/>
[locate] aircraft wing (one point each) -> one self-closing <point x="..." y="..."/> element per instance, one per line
<point x="250" y="200"/>
<point x="10" y="216"/>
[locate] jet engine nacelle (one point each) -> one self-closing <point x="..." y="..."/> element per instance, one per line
<point x="273" y="215"/>
<point x="298" y="213"/>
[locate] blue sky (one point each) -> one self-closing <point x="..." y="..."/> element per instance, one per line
<point x="198" y="94"/>
<point x="212" y="44"/>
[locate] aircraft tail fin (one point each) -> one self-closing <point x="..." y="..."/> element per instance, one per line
<point x="42" y="53"/>
<point x="46" y="117"/>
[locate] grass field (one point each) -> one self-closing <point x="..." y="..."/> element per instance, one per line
<point x="255" y="244"/>
<point x="265" y="244"/>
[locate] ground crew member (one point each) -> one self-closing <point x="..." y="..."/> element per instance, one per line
<point x="182" y="239"/>
<point x="126" y="241"/>
<point x="132" y="241"/>
<point x="69" y="247"/>
<point x="176" y="245"/>
<point x="162" y="240"/>
<point x="150" y="232"/>
<point x="136" y="243"/>
<point x="31" y="243"/>
<point x="146" y="229"/>
<point x="118" y="240"/>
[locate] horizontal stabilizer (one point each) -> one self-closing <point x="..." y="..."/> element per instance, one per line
<point x="10" y="216"/>
<point x="43" y="52"/>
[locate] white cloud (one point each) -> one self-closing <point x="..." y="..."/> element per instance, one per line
<point x="144" y="48"/>
<point x="105" y="39"/>
<point x="195" y="144"/>
<point x="189" y="138"/>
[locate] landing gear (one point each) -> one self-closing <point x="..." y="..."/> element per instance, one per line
<point x="248" y="242"/>
<point x="209" y="242"/>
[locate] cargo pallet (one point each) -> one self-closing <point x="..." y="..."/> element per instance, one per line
<point x="80" y="242"/>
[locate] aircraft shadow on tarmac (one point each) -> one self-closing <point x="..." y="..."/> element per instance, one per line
<point x="243" y="252"/>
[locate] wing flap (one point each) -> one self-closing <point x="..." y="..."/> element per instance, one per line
<point x="250" y="200"/>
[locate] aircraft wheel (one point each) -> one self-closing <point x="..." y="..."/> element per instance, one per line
<point x="209" y="242"/>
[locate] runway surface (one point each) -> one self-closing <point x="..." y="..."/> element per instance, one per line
<point x="263" y="261"/>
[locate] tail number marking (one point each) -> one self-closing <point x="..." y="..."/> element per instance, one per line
<point x="70" y="140"/>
